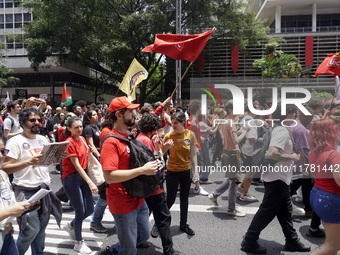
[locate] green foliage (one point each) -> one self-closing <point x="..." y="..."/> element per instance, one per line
<point x="276" y="64"/>
<point x="323" y="95"/>
<point x="107" y="34"/>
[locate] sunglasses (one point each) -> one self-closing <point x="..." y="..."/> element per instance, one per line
<point x="35" y="120"/>
<point x="4" y="152"/>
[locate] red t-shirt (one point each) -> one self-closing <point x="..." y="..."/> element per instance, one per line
<point x="105" y="131"/>
<point x="147" y="141"/>
<point x="75" y="149"/>
<point x="60" y="134"/>
<point x="320" y="164"/>
<point x="114" y="156"/>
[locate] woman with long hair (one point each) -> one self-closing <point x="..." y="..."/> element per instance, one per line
<point x="77" y="184"/>
<point x="324" y="162"/>
<point x="91" y="131"/>
<point x="181" y="143"/>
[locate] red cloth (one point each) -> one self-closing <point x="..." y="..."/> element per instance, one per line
<point x="105" y="131"/>
<point x="147" y="141"/>
<point x="322" y="173"/>
<point x="180" y="47"/>
<point x="114" y="156"/>
<point x="330" y="65"/>
<point x="309" y="50"/>
<point x="234" y="57"/>
<point x="200" y="63"/>
<point x="159" y="109"/>
<point x="75" y="149"/>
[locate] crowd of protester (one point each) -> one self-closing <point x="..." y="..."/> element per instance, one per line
<point x="191" y="144"/>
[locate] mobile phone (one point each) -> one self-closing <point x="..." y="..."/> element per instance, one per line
<point x="31" y="208"/>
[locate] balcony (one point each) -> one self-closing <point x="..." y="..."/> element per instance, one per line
<point x="292" y="30"/>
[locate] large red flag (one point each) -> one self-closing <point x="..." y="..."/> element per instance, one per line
<point x="330" y="65"/>
<point x="180" y="47"/>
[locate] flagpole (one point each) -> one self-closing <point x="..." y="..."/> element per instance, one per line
<point x="181" y="79"/>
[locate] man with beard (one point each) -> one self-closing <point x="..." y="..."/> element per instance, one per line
<point x="23" y="160"/>
<point x="130" y="213"/>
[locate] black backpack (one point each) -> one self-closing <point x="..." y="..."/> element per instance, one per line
<point x="261" y="146"/>
<point x="143" y="185"/>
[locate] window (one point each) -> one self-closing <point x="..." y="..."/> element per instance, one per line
<point x="27" y="17"/>
<point x="9" y="18"/>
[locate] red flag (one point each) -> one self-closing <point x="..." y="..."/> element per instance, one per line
<point x="180" y="47"/>
<point x="330" y="65"/>
<point x="234" y="56"/>
<point x="200" y="63"/>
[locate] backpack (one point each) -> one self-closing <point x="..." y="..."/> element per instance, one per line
<point x="141" y="186"/>
<point x="261" y="146"/>
<point x="2" y="126"/>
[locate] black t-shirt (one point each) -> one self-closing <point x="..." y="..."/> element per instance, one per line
<point x="93" y="132"/>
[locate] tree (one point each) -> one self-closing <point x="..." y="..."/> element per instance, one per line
<point x="106" y="35"/>
<point x="276" y="64"/>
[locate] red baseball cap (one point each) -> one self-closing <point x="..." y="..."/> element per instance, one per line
<point x="121" y="103"/>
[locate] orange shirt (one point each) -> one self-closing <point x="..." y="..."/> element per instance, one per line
<point x="227" y="130"/>
<point x="179" y="159"/>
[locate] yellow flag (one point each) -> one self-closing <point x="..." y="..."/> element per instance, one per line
<point x="135" y="74"/>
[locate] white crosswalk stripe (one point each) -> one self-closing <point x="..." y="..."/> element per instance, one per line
<point x="57" y="240"/>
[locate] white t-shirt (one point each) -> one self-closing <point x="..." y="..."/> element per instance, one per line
<point x="283" y="169"/>
<point x="8" y="124"/>
<point x="22" y="148"/>
<point x="247" y="148"/>
<point x="167" y="128"/>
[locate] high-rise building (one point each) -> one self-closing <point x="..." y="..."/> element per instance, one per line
<point x="311" y="29"/>
<point x="48" y="80"/>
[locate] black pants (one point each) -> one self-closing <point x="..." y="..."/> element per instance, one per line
<point x="306" y="187"/>
<point x="158" y="206"/>
<point x="276" y="202"/>
<point x="184" y="181"/>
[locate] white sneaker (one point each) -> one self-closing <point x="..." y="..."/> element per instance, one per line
<point x="82" y="248"/>
<point x="248" y="198"/>
<point x="213" y="199"/>
<point x="239" y="188"/>
<point x="69" y="231"/>
<point x="298" y="199"/>
<point x="201" y="191"/>
<point x="236" y="213"/>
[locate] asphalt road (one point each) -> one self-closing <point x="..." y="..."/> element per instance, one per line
<point x="216" y="232"/>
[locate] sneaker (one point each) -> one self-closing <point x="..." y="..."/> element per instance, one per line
<point x="248" y="198"/>
<point x="154" y="231"/>
<point x="187" y="229"/>
<point x="296" y="245"/>
<point x="213" y="199"/>
<point x="206" y="182"/>
<point x="320" y="233"/>
<point x="106" y="251"/>
<point x="236" y="213"/>
<point x="99" y="228"/>
<point x="69" y="231"/>
<point x="144" y="245"/>
<point x="298" y="199"/>
<point x="82" y="248"/>
<point x="201" y="191"/>
<point x="253" y="247"/>
<point x="239" y="188"/>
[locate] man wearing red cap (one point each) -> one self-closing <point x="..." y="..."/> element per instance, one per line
<point x="130" y="213"/>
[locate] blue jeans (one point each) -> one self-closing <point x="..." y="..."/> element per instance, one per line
<point x="80" y="196"/>
<point x="132" y="230"/>
<point x="205" y="170"/>
<point x="9" y="246"/>
<point x="326" y="205"/>
<point x="98" y="211"/>
<point x="34" y="233"/>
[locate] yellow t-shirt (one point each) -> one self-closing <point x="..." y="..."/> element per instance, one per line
<point x="179" y="159"/>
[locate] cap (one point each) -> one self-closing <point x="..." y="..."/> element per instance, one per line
<point x="121" y="103"/>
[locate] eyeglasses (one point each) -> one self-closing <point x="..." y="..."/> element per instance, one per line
<point x="4" y="152"/>
<point x="35" y="120"/>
